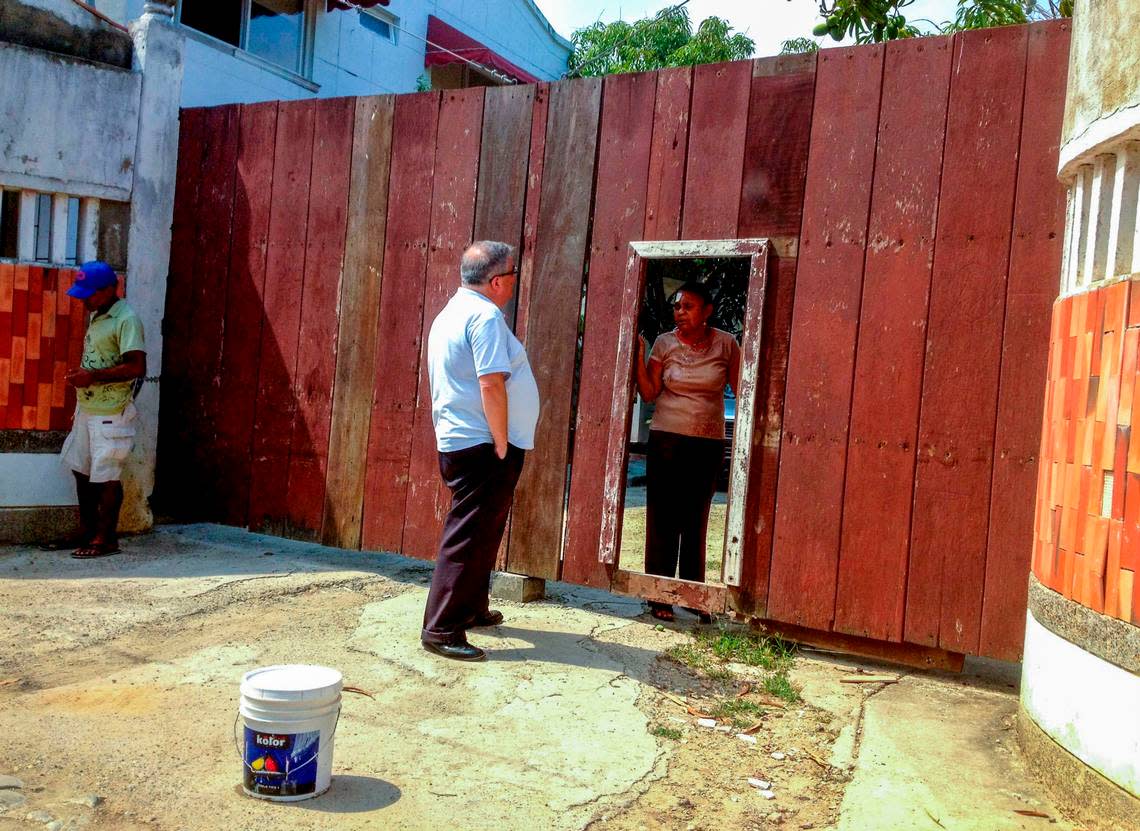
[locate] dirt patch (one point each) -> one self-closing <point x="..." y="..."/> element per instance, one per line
<point x="709" y="769"/>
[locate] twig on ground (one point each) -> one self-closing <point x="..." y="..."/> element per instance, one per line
<point x="934" y="818"/>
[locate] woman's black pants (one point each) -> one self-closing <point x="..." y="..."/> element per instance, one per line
<point x="681" y="473"/>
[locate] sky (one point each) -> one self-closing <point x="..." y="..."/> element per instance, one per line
<point x="768" y="22"/>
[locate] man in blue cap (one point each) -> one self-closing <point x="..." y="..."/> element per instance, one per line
<point x="113" y="364"/>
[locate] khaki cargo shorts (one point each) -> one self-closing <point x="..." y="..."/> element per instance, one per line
<point x="99" y="444"/>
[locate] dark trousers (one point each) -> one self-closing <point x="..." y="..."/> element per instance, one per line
<point x="482" y="486"/>
<point x="681" y="473"/>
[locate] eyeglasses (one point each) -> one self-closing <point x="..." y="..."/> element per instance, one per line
<point x="514" y="272"/>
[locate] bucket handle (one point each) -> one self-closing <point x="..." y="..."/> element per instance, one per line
<point x="241" y="754"/>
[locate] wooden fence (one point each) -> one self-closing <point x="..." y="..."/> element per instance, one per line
<point x="910" y="189"/>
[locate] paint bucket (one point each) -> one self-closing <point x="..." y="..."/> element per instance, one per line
<point x="289" y="715"/>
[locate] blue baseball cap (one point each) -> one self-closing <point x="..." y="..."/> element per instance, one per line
<point x="92" y="277"/>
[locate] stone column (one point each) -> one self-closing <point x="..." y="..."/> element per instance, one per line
<point x="159" y="56"/>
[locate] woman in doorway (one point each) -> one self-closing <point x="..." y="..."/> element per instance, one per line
<point x="687" y="372"/>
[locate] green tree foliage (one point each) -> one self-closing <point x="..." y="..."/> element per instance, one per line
<point x="874" y="21"/>
<point x="666" y="39"/>
<point x="797" y="46"/>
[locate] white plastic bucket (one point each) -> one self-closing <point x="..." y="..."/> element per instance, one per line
<point x="289" y="715"/>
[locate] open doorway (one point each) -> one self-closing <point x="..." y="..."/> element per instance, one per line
<point x="726" y="281"/>
<point x="722" y="284"/>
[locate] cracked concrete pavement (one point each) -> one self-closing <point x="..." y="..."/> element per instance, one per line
<point x="120" y="681"/>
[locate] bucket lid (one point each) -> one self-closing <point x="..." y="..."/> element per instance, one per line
<point x="291" y="681"/>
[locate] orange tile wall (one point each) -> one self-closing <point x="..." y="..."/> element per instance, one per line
<point x="41" y="336"/>
<point x="1087" y="541"/>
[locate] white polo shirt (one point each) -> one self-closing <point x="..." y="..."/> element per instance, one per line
<point x="469" y="339"/>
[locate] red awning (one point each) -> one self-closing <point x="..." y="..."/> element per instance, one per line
<point x="346" y="5"/>
<point x="444" y="40"/>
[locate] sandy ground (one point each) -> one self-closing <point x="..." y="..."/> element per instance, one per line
<point x="119" y="685"/>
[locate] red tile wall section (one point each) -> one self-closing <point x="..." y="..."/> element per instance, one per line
<point x="41" y="336"/>
<point x="1087" y="525"/>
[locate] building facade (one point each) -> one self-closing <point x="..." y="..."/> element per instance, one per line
<point x="1081" y="679"/>
<point x="88" y="152"/>
<point x="261" y="50"/>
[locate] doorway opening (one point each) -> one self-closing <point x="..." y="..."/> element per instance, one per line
<point x="702" y="303"/>
<point x="726" y="280"/>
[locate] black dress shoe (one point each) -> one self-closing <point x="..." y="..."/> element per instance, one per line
<point x="456" y="651"/>
<point x="491" y="617"/>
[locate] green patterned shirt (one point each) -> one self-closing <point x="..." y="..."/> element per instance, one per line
<point x="108" y="337"/>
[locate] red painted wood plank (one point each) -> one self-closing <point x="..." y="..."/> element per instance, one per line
<point x="457" y="154"/>
<point x="359" y="311"/>
<point x="553" y="294"/>
<point x="207" y="302"/>
<point x="771" y="204"/>
<point x="245" y="288"/>
<point x="879" y="489"/>
<point x="172" y="487"/>
<point x="776" y="146"/>
<point x="275" y="404"/>
<point x="717" y="132"/>
<point x="400" y="323"/>
<point x="821" y="359"/>
<point x="540" y="111"/>
<point x="967" y="306"/>
<point x="667" y="155"/>
<point x="539" y="115"/>
<point x="504" y="147"/>
<point x="316" y="360"/>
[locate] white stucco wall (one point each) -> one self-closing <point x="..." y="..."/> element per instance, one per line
<point x="66" y="125"/>
<point x="33" y="480"/>
<point x="1087" y="705"/>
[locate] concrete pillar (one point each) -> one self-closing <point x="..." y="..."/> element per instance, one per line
<point x="1096" y="246"/>
<point x="26" y="235"/>
<point x="58" y="227"/>
<point x="88" y="230"/>
<point x="159" y="55"/>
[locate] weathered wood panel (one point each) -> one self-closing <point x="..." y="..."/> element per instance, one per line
<point x="1038" y="227"/>
<point x="316" y="359"/>
<point x="554" y="295"/>
<point x="401" y="312"/>
<point x="275" y="405"/>
<point x="253" y="184"/>
<point x="174" y="446"/>
<point x="666" y="191"/>
<point x="452" y="218"/>
<point x="715" y="166"/>
<point x="829" y="278"/>
<point x="887" y="389"/>
<point x="963" y="358"/>
<point x="503" y="151"/>
<point x="359" y="312"/>
<point x="771" y="205"/>
<point x="207" y="303"/>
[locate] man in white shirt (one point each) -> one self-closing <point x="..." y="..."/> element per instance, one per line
<point x="484" y="408"/>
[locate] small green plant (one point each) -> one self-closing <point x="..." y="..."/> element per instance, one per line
<point x="779" y="685"/>
<point x="665" y="732"/>
<point x="739" y="711"/>
<point x="689" y="655"/>
<point x="745" y="647"/>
